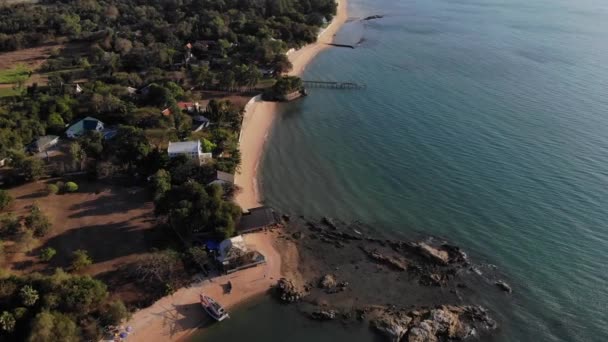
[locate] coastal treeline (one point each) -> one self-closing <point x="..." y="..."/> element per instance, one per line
<point x="145" y="70"/>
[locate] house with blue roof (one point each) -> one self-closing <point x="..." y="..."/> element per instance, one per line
<point x="85" y="125"/>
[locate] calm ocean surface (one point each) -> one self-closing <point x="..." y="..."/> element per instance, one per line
<point x="483" y="121"/>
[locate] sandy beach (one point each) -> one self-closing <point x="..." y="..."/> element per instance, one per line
<point x="259" y="116"/>
<point x="178" y="316"/>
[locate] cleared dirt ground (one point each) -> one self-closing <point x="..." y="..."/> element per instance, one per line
<point x="114" y="224"/>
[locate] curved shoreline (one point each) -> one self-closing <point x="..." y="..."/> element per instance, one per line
<point x="178" y="316"/>
<point x="259" y="115"/>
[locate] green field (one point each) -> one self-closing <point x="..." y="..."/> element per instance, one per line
<point x="14" y="75"/>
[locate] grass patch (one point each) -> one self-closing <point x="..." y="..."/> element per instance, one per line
<point x="17" y="74"/>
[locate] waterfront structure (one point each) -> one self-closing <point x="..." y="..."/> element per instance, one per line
<point x="223" y="178"/>
<point x="256" y="219"/>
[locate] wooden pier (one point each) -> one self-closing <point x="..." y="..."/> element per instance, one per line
<point x="333" y="85"/>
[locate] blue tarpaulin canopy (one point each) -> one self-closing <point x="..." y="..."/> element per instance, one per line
<point x="212" y="245"/>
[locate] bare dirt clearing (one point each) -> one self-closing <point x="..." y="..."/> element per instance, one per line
<point x="114" y="224"/>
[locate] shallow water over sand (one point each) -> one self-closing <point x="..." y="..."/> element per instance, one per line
<point x="482" y="122"/>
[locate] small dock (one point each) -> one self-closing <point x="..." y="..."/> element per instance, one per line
<point x="333" y="85"/>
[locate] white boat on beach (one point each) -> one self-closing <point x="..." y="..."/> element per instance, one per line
<point x="213" y="308"/>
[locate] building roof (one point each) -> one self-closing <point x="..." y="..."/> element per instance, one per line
<point x="40" y="143"/>
<point x="224" y="176"/>
<point x="200" y="118"/>
<point x="231" y="248"/>
<point x="184" y="147"/>
<point x="256" y="219"/>
<point x="86" y="124"/>
<point x="185" y="105"/>
<point x="166" y="112"/>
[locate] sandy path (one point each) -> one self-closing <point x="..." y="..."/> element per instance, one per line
<point x="177" y="316"/>
<point x="259" y="116"/>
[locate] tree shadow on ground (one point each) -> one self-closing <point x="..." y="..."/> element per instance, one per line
<point x="109" y="203"/>
<point x="103" y="242"/>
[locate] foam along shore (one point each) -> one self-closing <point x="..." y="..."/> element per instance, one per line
<point x="259" y="115"/>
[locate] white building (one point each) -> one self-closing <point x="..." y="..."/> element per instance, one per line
<point x="190" y="149"/>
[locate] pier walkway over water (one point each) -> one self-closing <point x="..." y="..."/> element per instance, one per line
<point x="333" y="85"/>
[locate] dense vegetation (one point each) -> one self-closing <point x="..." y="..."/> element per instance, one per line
<point x="60" y="307"/>
<point x="135" y="62"/>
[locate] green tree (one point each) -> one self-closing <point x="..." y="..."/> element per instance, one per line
<point x="176" y="91"/>
<point x="80" y="260"/>
<point x="7" y="321"/>
<point x="130" y="145"/>
<point x="47" y="254"/>
<point x="55" y="123"/>
<point x="32" y="168"/>
<point x="82" y="294"/>
<point x="114" y="313"/>
<point x="29" y="296"/>
<point x="208" y="146"/>
<point x="9" y="225"/>
<point x="77" y="155"/>
<point x="161" y="183"/>
<point x="38" y="222"/>
<point x="92" y="144"/>
<point x="5" y="199"/>
<point x="53" y="326"/>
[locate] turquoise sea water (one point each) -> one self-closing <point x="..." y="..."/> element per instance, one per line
<point x="483" y="121"/>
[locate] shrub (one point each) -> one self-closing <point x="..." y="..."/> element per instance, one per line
<point x="9" y="225"/>
<point x="47" y="254"/>
<point x="19" y="312"/>
<point x="7" y="321"/>
<point x="26" y="240"/>
<point x="114" y="313"/>
<point x="71" y="187"/>
<point x="28" y="295"/>
<point x="5" y="199"/>
<point x="38" y="222"/>
<point x="52" y="189"/>
<point x="80" y="260"/>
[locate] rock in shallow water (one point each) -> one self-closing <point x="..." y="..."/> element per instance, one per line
<point x="287" y="291"/>
<point x="323" y="315"/>
<point x="504" y="286"/>
<point x="327" y="282"/>
<point x="393" y="325"/>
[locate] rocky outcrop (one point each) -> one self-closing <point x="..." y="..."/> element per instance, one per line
<point x="391" y="261"/>
<point x="323" y="315"/>
<point x="422" y="332"/>
<point x="287" y="291"/>
<point x="327" y="282"/>
<point x="431" y="325"/>
<point x="392" y="325"/>
<point x="435" y="254"/>
<point x="330" y="223"/>
<point x="504" y="286"/>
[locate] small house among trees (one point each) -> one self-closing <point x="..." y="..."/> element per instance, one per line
<point x="85" y="125"/>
